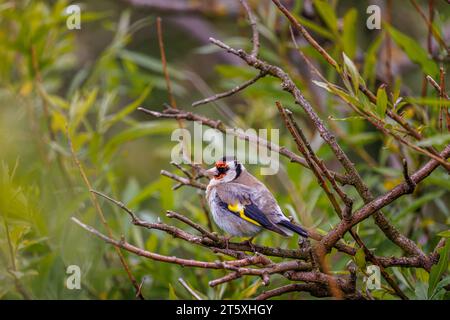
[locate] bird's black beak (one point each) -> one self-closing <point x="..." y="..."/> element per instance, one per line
<point x="212" y="172"/>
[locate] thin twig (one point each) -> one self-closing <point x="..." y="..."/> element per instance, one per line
<point x="183" y="181"/>
<point x="437" y="87"/>
<point x="229" y="92"/>
<point x="255" y="33"/>
<point x="172" y="100"/>
<point x="411" y="184"/>
<point x="388" y="40"/>
<point x="173" y="214"/>
<point x="315" y="289"/>
<point x="189" y="289"/>
<point x="435" y="33"/>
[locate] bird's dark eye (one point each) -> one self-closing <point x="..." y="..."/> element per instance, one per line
<point x="222" y="169"/>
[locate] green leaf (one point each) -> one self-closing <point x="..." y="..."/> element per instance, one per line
<point x="354" y="118"/>
<point x="53" y="100"/>
<point x="315" y="27"/>
<point x="78" y="110"/>
<point x="149" y="63"/>
<point x="438" y="139"/>
<point x="421" y="291"/>
<point x="370" y="61"/>
<point x="111" y="120"/>
<point x="135" y="132"/>
<point x="381" y="102"/>
<point x="440" y="288"/>
<point x="145" y="193"/>
<point x="352" y="70"/>
<point x="349" y="32"/>
<point x="327" y="13"/>
<point x="414" y="51"/>
<point x="398" y="273"/>
<point x="444" y="234"/>
<point x="422" y="275"/>
<point x="323" y="85"/>
<point x="438" y="269"/>
<point x="417" y="203"/>
<point x="360" y="258"/>
<point x="434" y="102"/>
<point x="172" y="294"/>
<point x="251" y="290"/>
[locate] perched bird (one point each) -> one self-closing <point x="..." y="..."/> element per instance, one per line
<point x="241" y="205"/>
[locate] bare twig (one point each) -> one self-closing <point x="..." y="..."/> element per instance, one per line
<point x="315" y="289"/>
<point x="435" y="33"/>
<point x="183" y="181"/>
<point x="117" y="203"/>
<point x="388" y="40"/>
<point x="189" y="289"/>
<point x="173" y="214"/>
<point x="255" y="34"/>
<point x="172" y="100"/>
<point x="437" y="87"/>
<point x="411" y="184"/>
<point x="229" y="92"/>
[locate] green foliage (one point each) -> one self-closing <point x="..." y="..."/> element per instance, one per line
<point x="414" y="51"/>
<point x="435" y="286"/>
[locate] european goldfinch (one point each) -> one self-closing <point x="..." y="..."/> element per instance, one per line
<point x="241" y="205"/>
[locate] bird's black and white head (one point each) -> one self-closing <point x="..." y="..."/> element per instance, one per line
<point x="225" y="170"/>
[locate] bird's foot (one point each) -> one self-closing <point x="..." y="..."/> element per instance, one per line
<point x="250" y="243"/>
<point x="302" y="242"/>
<point x="227" y="242"/>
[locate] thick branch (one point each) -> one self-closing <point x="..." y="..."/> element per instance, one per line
<point x="382" y="201"/>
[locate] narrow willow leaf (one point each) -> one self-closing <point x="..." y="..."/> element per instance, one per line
<point x="323" y="85"/>
<point x="434" y="102"/>
<point x="360" y="258"/>
<point x="349" y="32"/>
<point x="414" y="51"/>
<point x="370" y="62"/>
<point x="172" y="294"/>
<point x="111" y="120"/>
<point x="444" y="234"/>
<point x="434" y="140"/>
<point x="381" y="102"/>
<point x="438" y="269"/>
<point x="135" y="132"/>
<point x="350" y="67"/>
<point x="327" y="13"/>
<point x="79" y="109"/>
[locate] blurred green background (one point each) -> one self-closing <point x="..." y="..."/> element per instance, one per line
<point x="89" y="82"/>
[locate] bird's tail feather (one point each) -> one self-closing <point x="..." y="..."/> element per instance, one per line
<point x="295" y="228"/>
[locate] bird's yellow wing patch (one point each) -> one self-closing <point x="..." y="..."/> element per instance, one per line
<point x="240" y="209"/>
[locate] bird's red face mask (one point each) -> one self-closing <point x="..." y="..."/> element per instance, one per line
<point x="219" y="170"/>
<point x="222" y="168"/>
